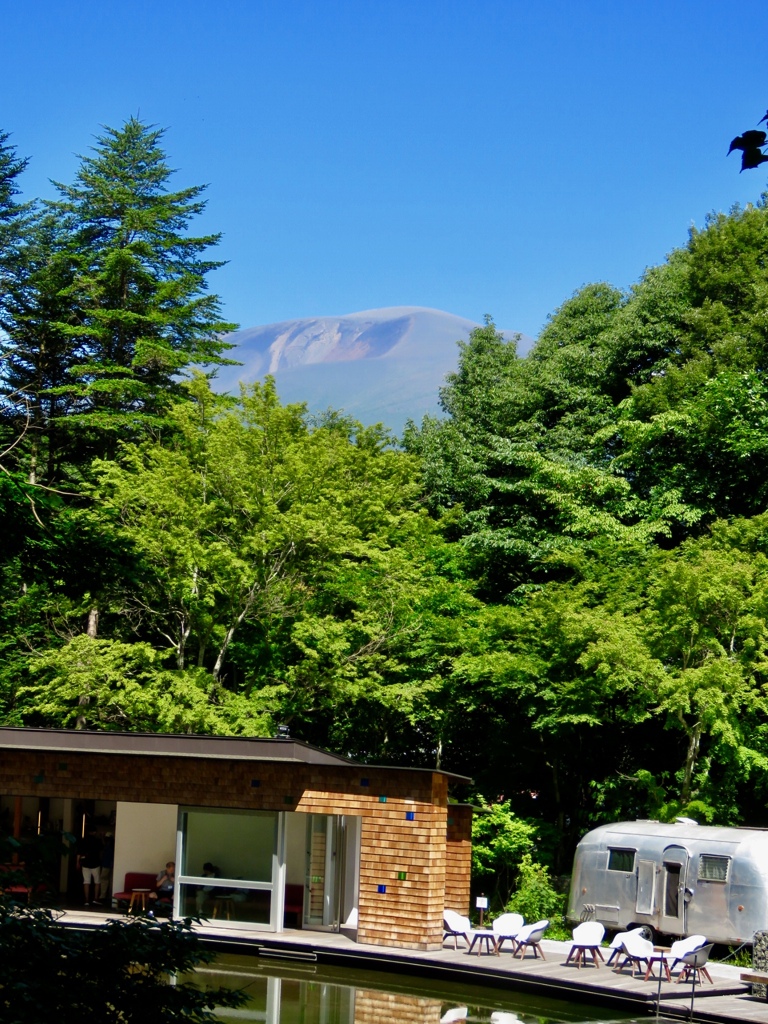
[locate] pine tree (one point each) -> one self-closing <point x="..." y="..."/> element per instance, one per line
<point x="13" y="214"/>
<point x="14" y="220"/>
<point x="139" y="287"/>
<point x="42" y="348"/>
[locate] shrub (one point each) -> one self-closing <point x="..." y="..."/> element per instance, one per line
<point x="536" y="898"/>
<point x="499" y="841"/>
<point x="115" y="973"/>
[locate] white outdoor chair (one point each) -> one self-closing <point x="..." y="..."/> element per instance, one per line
<point x="457" y="927"/>
<point x="618" y="939"/>
<point x="506" y="927"/>
<point x="682" y="947"/>
<point x="531" y="935"/>
<point x="586" y="939"/>
<point x="454" y="1015"/>
<point x="695" y="964"/>
<point x="636" y="951"/>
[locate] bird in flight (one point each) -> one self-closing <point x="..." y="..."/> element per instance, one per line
<point x="750" y="144"/>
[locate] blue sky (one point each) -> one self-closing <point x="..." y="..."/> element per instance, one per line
<point x="476" y="157"/>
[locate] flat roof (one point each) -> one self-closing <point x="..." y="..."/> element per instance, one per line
<point x="245" y="748"/>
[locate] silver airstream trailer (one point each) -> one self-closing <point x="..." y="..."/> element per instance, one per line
<point x="679" y="879"/>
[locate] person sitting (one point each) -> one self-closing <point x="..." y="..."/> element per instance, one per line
<point x="165" y="884"/>
<point x="204" y="891"/>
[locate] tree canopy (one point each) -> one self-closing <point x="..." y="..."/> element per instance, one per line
<point x="558" y="587"/>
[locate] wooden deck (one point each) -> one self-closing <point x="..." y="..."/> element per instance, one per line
<point x="726" y="1001"/>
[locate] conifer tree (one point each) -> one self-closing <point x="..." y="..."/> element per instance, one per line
<point x="13" y="214"/>
<point x="139" y="286"/>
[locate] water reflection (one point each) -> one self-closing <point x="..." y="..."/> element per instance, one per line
<point x="293" y="994"/>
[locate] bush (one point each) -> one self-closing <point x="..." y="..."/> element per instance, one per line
<point x="499" y="841"/>
<point x="536" y="898"/>
<point x="115" y="973"/>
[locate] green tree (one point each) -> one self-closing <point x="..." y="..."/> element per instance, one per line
<point x="41" y="349"/>
<point x="13" y="214"/>
<point x="499" y="841"/>
<point x="140" y="286"/>
<point x="117" y="973"/>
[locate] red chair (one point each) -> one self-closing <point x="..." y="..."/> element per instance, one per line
<point x="134" y="882"/>
<point x="294" y="902"/>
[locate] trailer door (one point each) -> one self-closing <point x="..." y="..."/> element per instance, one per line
<point x="646" y="880"/>
<point x="674" y="880"/>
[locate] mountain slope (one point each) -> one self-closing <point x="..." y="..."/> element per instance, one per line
<point x="379" y="365"/>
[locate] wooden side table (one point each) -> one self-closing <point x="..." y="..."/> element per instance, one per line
<point x="486" y="936"/>
<point x="138" y="896"/>
<point x="223" y="903"/>
<point x="659" y="957"/>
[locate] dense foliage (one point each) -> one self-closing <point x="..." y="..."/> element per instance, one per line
<point x="119" y="972"/>
<point x="560" y="587"/>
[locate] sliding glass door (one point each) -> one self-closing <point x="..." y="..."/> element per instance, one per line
<point x="324" y="871"/>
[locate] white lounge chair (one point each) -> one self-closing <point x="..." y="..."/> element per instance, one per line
<point x="506" y="927"/>
<point x="531" y="935"/>
<point x="636" y="951"/>
<point x="695" y="964"/>
<point x="457" y="926"/>
<point x="454" y="1015"/>
<point x="617" y="940"/>
<point x="681" y="947"/>
<point x="586" y="939"/>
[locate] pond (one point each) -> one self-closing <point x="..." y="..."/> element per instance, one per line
<point x="314" y="994"/>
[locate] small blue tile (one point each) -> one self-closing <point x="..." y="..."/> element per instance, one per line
<point x="364" y="782"/>
<point x="255" y="783"/>
<point x="381" y="888"/>
<point x="410" y="815"/>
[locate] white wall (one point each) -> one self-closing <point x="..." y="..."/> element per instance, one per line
<point x="295" y="847"/>
<point x="145" y="839"/>
<point x="351" y="865"/>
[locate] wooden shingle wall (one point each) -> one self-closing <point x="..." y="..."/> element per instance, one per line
<point x="372" y="1007"/>
<point x="403" y="827"/>
<point x="458" y="854"/>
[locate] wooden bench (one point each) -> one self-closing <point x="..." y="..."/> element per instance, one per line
<point x="755" y="978"/>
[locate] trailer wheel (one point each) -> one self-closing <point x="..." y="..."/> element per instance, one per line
<point x="647" y="931"/>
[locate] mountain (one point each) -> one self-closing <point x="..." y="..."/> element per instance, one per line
<point x="380" y="365"/>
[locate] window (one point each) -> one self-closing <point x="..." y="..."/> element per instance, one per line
<point x="713" y="869"/>
<point x="621" y="860"/>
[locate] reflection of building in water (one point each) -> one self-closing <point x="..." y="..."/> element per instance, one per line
<point x="314" y="1000"/>
<point x="379" y="1007"/>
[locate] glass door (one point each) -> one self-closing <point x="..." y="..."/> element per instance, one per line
<point x="673" y="896"/>
<point x="324" y="866"/>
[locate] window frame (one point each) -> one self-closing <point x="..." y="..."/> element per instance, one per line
<point x="710" y="858"/>
<point x="621" y="850"/>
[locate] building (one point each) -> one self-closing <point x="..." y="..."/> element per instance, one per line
<point x="300" y="836"/>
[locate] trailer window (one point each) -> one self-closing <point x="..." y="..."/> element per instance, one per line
<point x="621" y="860"/>
<point x="713" y="869"/>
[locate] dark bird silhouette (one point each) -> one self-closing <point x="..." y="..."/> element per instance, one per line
<point x="752" y="158"/>
<point x="749" y="140"/>
<point x="763" y="118"/>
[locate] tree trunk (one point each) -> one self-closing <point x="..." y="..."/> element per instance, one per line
<point x="691" y="757"/>
<point x="93" y="623"/>
<point x="83" y="700"/>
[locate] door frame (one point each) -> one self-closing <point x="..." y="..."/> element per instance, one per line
<point x="678" y="856"/>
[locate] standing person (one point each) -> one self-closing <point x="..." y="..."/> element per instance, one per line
<point x="107" y="863"/>
<point x="89" y="862"/>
